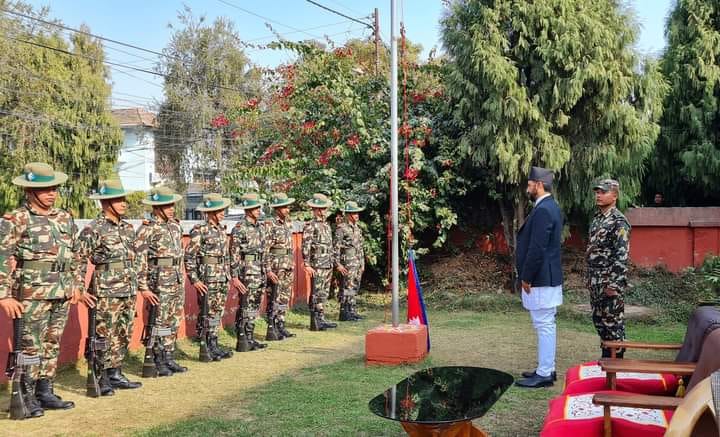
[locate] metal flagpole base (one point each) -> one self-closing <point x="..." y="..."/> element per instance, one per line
<point x="388" y="345"/>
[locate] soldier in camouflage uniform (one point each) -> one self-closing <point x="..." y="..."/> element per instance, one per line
<point x="607" y="261"/>
<point x="40" y="239"/>
<point x="247" y="249"/>
<point x="317" y="250"/>
<point x="349" y="260"/>
<point x="158" y="246"/>
<point x="279" y="265"/>
<point x="108" y="242"/>
<point x="208" y="266"/>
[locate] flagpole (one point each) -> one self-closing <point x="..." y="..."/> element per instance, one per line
<point x="394" y="167"/>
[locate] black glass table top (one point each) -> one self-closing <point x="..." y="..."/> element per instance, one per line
<point x="442" y="394"/>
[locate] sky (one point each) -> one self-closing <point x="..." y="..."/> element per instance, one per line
<point x="147" y="24"/>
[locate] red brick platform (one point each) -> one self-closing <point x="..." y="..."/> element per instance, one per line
<point x="403" y="344"/>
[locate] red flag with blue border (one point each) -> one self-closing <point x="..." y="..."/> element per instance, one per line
<point x="416" y="305"/>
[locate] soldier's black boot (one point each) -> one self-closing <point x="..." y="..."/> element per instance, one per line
<point x="161" y="364"/>
<point x="254" y="344"/>
<point x="118" y="380"/>
<point x="104" y="383"/>
<point x="354" y="312"/>
<point x="34" y="409"/>
<point x="323" y="322"/>
<point x="172" y="365"/>
<point x="243" y="345"/>
<point x="315" y="324"/>
<point x="218" y="351"/>
<point x="47" y="397"/>
<point x="281" y="327"/>
<point x="272" y="333"/>
<point x="345" y="315"/>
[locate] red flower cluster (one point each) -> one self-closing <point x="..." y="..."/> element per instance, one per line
<point x="219" y="121"/>
<point x="418" y="98"/>
<point x="404" y="130"/>
<point x="252" y="103"/>
<point x="284" y="187"/>
<point x="343" y="52"/>
<point x="375" y="148"/>
<point x="288" y="71"/>
<point x="353" y="141"/>
<point x="324" y="158"/>
<point x="418" y="142"/>
<point x="269" y="152"/>
<point x="287" y="91"/>
<point x="308" y="126"/>
<point x="411" y="173"/>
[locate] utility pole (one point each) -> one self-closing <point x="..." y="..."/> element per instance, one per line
<point x="394" y="166"/>
<point x="376" y="31"/>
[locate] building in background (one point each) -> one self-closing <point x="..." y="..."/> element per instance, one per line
<point x="136" y="164"/>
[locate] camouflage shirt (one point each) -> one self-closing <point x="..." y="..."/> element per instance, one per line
<point x="279" y="239"/>
<point x="247" y="248"/>
<point x="49" y="239"/>
<point x="208" y="240"/>
<point x="608" y="250"/>
<point x="317" y="244"/>
<point x="110" y="247"/>
<point x="159" y="239"/>
<point x="349" y="246"/>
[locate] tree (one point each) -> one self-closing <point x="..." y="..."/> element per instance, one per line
<point x="54" y="108"/>
<point x="206" y="72"/>
<point x="686" y="163"/>
<point x="554" y="83"/>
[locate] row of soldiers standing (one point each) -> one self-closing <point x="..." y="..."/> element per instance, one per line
<point x="43" y="264"/>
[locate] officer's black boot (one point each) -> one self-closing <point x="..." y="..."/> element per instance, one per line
<point x="34" y="409"/>
<point x="118" y="380"/>
<point x="272" y="333"/>
<point x="104" y="383"/>
<point x="281" y="327"/>
<point x="254" y="344"/>
<point x="315" y="324"/>
<point x="161" y="363"/>
<point x="47" y="397"/>
<point x="172" y="365"/>
<point x="243" y="345"/>
<point x="323" y="322"/>
<point x="219" y="352"/>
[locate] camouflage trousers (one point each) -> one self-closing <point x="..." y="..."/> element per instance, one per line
<point x="44" y="322"/>
<point x="217" y="296"/>
<point x="170" y="312"/>
<point x="608" y="314"/>
<point x="250" y="301"/>
<point x="279" y="295"/>
<point x="350" y="286"/>
<point x="114" y="317"/>
<point x="321" y="290"/>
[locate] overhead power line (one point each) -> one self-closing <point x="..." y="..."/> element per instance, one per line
<point x="232" y="5"/>
<point x="340" y="14"/>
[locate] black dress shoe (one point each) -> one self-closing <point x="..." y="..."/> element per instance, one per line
<point x="535" y="381"/>
<point x="531" y="373"/>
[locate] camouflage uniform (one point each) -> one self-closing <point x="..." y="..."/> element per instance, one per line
<point x="318" y="253"/>
<point x="110" y="247"/>
<point x="159" y="248"/>
<point x="349" y="253"/>
<point x="607" y="261"/>
<point x="206" y="260"/>
<point x="43" y="280"/>
<point x="279" y="260"/>
<point x="247" y="249"/>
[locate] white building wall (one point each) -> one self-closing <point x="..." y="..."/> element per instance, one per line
<point x="136" y="165"/>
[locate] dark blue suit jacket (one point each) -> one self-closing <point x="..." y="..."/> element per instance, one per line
<point x="538" y="245"/>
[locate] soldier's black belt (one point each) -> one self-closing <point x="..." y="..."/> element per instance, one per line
<point x="280" y="251"/>
<point x="115" y="265"/>
<point x="164" y="262"/>
<point x="320" y="250"/>
<point x="43" y="266"/>
<point x="212" y="259"/>
<point x="24" y="359"/>
<point x="161" y="331"/>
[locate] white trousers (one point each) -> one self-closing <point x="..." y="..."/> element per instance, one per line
<point x="544" y="323"/>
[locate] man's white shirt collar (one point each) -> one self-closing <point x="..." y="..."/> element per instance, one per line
<point x="539" y="199"/>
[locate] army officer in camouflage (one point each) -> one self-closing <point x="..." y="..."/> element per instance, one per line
<point x="108" y="242"/>
<point x="39" y="237"/>
<point x="158" y="246"/>
<point x="208" y="266"/>
<point x="247" y="249"/>
<point x="279" y="266"/>
<point x="607" y="264"/>
<point x="317" y="251"/>
<point x="349" y="260"/>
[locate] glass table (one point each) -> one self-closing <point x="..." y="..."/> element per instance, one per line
<point x="442" y="401"/>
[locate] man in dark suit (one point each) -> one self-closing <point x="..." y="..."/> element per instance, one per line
<point x="540" y="272"/>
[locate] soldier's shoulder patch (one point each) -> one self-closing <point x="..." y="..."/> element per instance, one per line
<point x="238" y="225"/>
<point x="8" y="216"/>
<point x="146" y="222"/>
<point x="197" y="226"/>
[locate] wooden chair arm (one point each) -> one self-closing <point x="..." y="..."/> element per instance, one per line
<point x="614" y="365"/>
<point x="637" y="401"/>
<point x="640" y="345"/>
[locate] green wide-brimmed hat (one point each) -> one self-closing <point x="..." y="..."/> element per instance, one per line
<point x="213" y="202"/>
<point x="109" y="189"/>
<point x="281" y="199"/>
<point x="40" y="175"/>
<point x="250" y="201"/>
<point x="351" y="206"/>
<point x="319" y="200"/>
<point x="161" y="196"/>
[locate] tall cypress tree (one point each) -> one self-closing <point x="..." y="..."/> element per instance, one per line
<point x="686" y="163"/>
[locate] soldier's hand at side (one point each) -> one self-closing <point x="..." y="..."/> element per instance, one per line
<point x="150" y="297"/>
<point x="611" y="292"/>
<point x="310" y="271"/>
<point x="200" y="287"/>
<point x="273" y="277"/>
<point x="12" y="307"/>
<point x="343" y="271"/>
<point x="239" y="285"/>
<point x="525" y="286"/>
<point x="75" y="296"/>
<point x="88" y="300"/>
